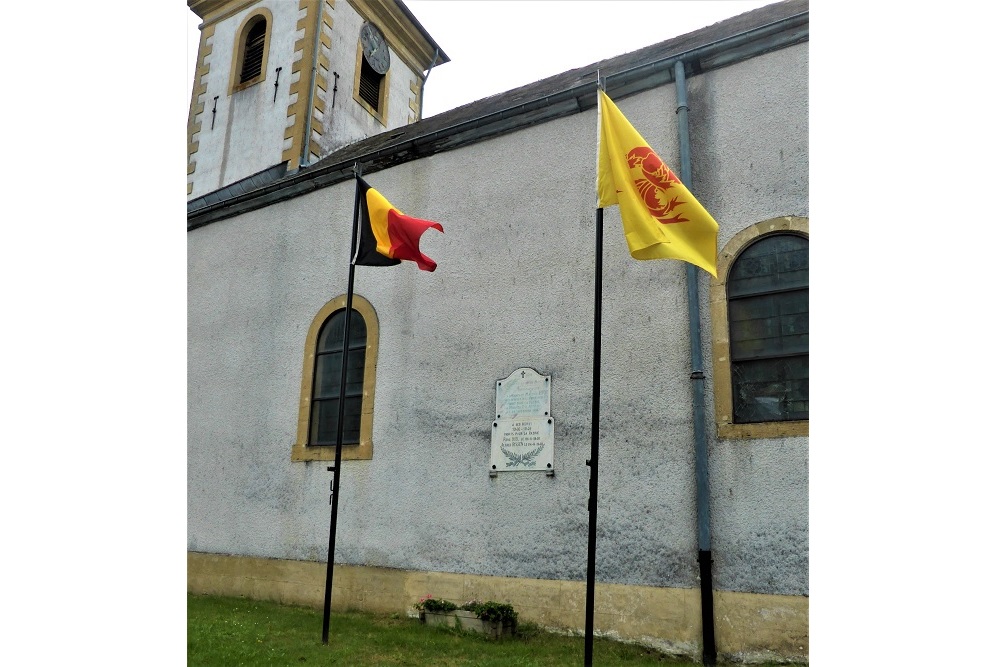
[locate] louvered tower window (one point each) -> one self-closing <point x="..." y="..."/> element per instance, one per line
<point x="253" y="53"/>
<point x="768" y="295"/>
<point x="369" y="85"/>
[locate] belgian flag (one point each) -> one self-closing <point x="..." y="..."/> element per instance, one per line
<point x="387" y="235"/>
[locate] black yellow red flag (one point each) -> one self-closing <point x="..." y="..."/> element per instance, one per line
<point x="388" y="236"/>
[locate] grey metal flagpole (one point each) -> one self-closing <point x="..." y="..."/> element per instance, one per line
<point x="335" y="487"/>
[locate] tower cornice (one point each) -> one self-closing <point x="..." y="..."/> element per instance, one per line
<point x="408" y="38"/>
<point x="210" y="11"/>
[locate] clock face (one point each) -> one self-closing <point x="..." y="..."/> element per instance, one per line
<point x="375" y="49"/>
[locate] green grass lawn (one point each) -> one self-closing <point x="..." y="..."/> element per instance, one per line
<point x="227" y="632"/>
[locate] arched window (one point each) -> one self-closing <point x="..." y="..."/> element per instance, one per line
<point x="760" y="320"/>
<point x="768" y="296"/>
<point x="326" y="394"/>
<point x="250" y="50"/>
<point x="320" y="398"/>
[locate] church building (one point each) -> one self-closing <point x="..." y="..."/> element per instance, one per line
<point x="467" y="412"/>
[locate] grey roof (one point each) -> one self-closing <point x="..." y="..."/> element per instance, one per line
<point x="750" y="34"/>
<point x="240" y="187"/>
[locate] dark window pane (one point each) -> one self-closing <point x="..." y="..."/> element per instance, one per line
<point x="771" y="390"/>
<point x="352" y="420"/>
<point x="768" y="292"/>
<point x="331" y="336"/>
<point x="327" y="380"/>
<point x="355" y="373"/>
<point x="323" y="429"/>
<point x="779" y="261"/>
<point x="769" y="325"/>
<point x="324" y="422"/>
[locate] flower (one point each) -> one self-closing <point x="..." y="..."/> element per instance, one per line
<point x="433" y="604"/>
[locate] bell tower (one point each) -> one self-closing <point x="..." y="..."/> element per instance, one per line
<point x="281" y="83"/>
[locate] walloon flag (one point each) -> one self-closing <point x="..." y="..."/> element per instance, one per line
<point x="387" y="235"/>
<point x="662" y="219"/>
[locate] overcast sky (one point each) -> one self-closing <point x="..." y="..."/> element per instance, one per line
<point x="496" y="45"/>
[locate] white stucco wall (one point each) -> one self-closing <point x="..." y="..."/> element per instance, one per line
<point x="514" y="287"/>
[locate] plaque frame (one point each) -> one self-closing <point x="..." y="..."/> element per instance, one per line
<point x="523" y="432"/>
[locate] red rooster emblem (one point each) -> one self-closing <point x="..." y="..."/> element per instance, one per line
<point x="653" y="180"/>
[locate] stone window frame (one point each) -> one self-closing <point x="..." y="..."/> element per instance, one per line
<point x="719" y="307"/>
<point x="301" y="450"/>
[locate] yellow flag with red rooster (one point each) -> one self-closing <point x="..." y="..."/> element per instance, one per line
<point x="662" y="219"/>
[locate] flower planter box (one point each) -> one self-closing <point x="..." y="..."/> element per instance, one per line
<point x="467" y="620"/>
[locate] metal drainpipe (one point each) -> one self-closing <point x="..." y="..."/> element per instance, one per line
<point x="307" y="131"/>
<point x="423" y="83"/>
<point x="698" y="391"/>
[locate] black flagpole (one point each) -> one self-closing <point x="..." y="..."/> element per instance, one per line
<point x="335" y="495"/>
<point x="595" y="418"/>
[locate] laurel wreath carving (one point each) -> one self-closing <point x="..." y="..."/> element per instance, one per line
<point x="526" y="459"/>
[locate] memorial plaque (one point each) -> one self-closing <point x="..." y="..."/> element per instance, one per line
<point x="523" y="393"/>
<point x="523" y="429"/>
<point x="524" y="443"/>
